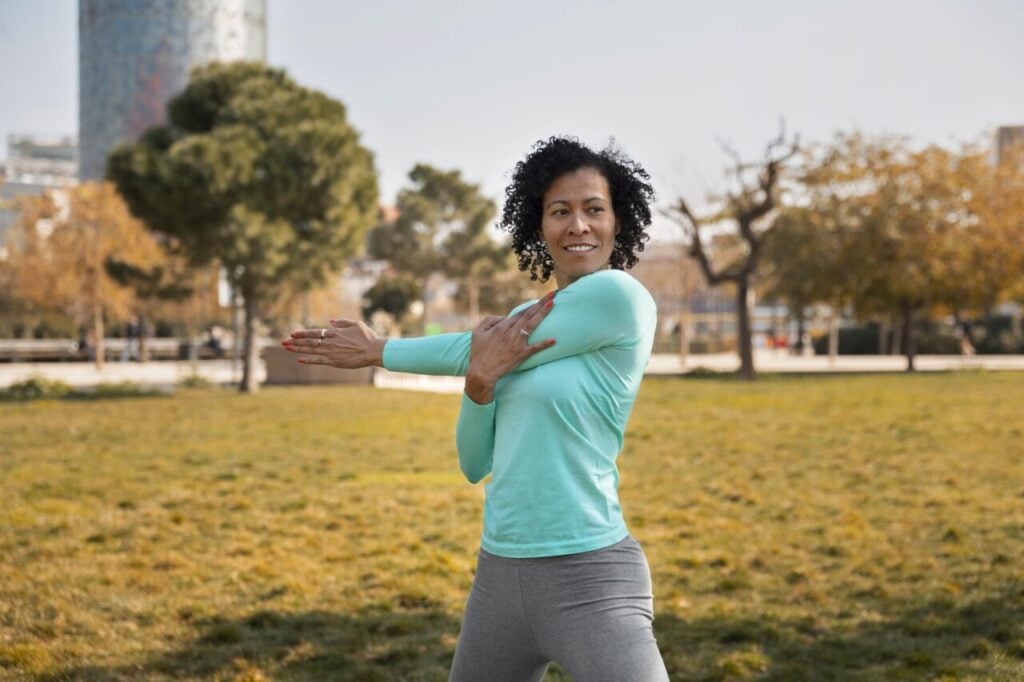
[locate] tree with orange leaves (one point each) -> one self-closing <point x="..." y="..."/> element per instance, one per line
<point x="59" y="248"/>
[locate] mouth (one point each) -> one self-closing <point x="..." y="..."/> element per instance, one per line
<point x="579" y="248"/>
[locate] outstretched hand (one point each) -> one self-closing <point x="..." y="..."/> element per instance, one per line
<point x="346" y="344"/>
<point x="500" y="344"/>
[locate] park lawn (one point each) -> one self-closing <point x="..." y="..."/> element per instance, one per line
<point x="812" y="528"/>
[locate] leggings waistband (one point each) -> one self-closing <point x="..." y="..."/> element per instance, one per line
<point x="627" y="542"/>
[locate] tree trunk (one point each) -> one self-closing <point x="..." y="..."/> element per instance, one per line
<point x="236" y="332"/>
<point x="908" y="336"/>
<point x="883" y="336"/>
<point x="745" y="345"/>
<point x="98" y="333"/>
<point x="423" y="295"/>
<point x="473" y="288"/>
<point x="896" y="343"/>
<point x="684" y="334"/>
<point x="143" y="345"/>
<point x="798" y="347"/>
<point x="251" y="351"/>
<point x="833" y="334"/>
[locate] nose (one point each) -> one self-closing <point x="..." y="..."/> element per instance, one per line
<point x="579" y="224"/>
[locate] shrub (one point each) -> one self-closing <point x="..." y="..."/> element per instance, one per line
<point x="37" y="388"/>
<point x="122" y="389"/>
<point x="195" y="381"/>
<point x="930" y="338"/>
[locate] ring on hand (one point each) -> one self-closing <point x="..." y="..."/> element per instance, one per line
<point x="323" y="333"/>
<point x="319" y="342"/>
<point x="524" y="332"/>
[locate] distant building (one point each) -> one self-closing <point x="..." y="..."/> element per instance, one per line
<point x="134" y="55"/>
<point x="1006" y="137"/>
<point x="34" y="165"/>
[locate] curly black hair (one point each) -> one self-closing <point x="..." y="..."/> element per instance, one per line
<point x="630" y="187"/>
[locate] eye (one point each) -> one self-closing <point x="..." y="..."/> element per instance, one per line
<point x="559" y="212"/>
<point x="596" y="209"/>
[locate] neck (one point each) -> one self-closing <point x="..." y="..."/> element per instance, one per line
<point x="564" y="279"/>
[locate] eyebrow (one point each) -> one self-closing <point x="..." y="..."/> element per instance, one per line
<point x="585" y="201"/>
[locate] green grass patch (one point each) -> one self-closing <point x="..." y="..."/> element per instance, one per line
<point x="41" y="388"/>
<point x="797" y="528"/>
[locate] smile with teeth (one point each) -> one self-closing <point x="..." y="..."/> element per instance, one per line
<point x="580" y="247"/>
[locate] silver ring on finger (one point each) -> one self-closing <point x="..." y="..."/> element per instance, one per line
<point x="524" y="332"/>
<point x="319" y="342"/>
<point x="323" y="333"/>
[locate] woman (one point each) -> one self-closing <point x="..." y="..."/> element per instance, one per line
<point x="548" y="391"/>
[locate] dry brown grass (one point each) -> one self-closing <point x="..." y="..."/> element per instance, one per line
<point x="798" y="529"/>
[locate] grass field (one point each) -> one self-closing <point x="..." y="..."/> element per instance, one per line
<point x="827" y="528"/>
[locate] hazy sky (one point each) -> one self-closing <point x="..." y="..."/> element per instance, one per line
<point x="473" y="85"/>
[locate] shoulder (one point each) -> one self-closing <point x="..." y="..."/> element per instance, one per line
<point x="615" y="287"/>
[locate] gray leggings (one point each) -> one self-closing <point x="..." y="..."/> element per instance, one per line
<point x="591" y="612"/>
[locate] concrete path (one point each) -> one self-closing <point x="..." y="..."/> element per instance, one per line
<point x="168" y="374"/>
<point x="781" y="361"/>
<point x="155" y="374"/>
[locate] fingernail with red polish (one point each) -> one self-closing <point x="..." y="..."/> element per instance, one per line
<point x="547" y="306"/>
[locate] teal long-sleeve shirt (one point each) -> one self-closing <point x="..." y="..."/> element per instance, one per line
<point x="552" y="434"/>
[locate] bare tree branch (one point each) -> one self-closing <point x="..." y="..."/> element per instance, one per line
<point x="755" y="197"/>
<point x="738" y="164"/>
<point x="681" y="214"/>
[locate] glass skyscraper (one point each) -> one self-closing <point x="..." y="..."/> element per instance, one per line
<point x="134" y="55"/>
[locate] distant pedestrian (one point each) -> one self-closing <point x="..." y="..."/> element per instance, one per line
<point x="213" y="341"/>
<point x="132" y="334"/>
<point x="966" y="347"/>
<point x="85" y="347"/>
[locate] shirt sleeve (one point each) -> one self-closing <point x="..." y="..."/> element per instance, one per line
<point x="474" y="438"/>
<point x="606" y="308"/>
<point x="440" y="355"/>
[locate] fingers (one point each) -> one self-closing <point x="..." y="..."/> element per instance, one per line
<point x="535" y="314"/>
<point x="314" y="360"/>
<point x="489" y="322"/>
<point x="538" y="347"/>
<point x="538" y="305"/>
<point x="304" y="343"/>
<point x="306" y="348"/>
<point x="311" y="333"/>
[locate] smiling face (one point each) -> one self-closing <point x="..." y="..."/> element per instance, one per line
<point x="578" y="224"/>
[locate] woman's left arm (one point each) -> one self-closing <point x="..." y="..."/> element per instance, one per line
<point x="474" y="438"/>
<point x="498" y="346"/>
<point x="605" y="308"/>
